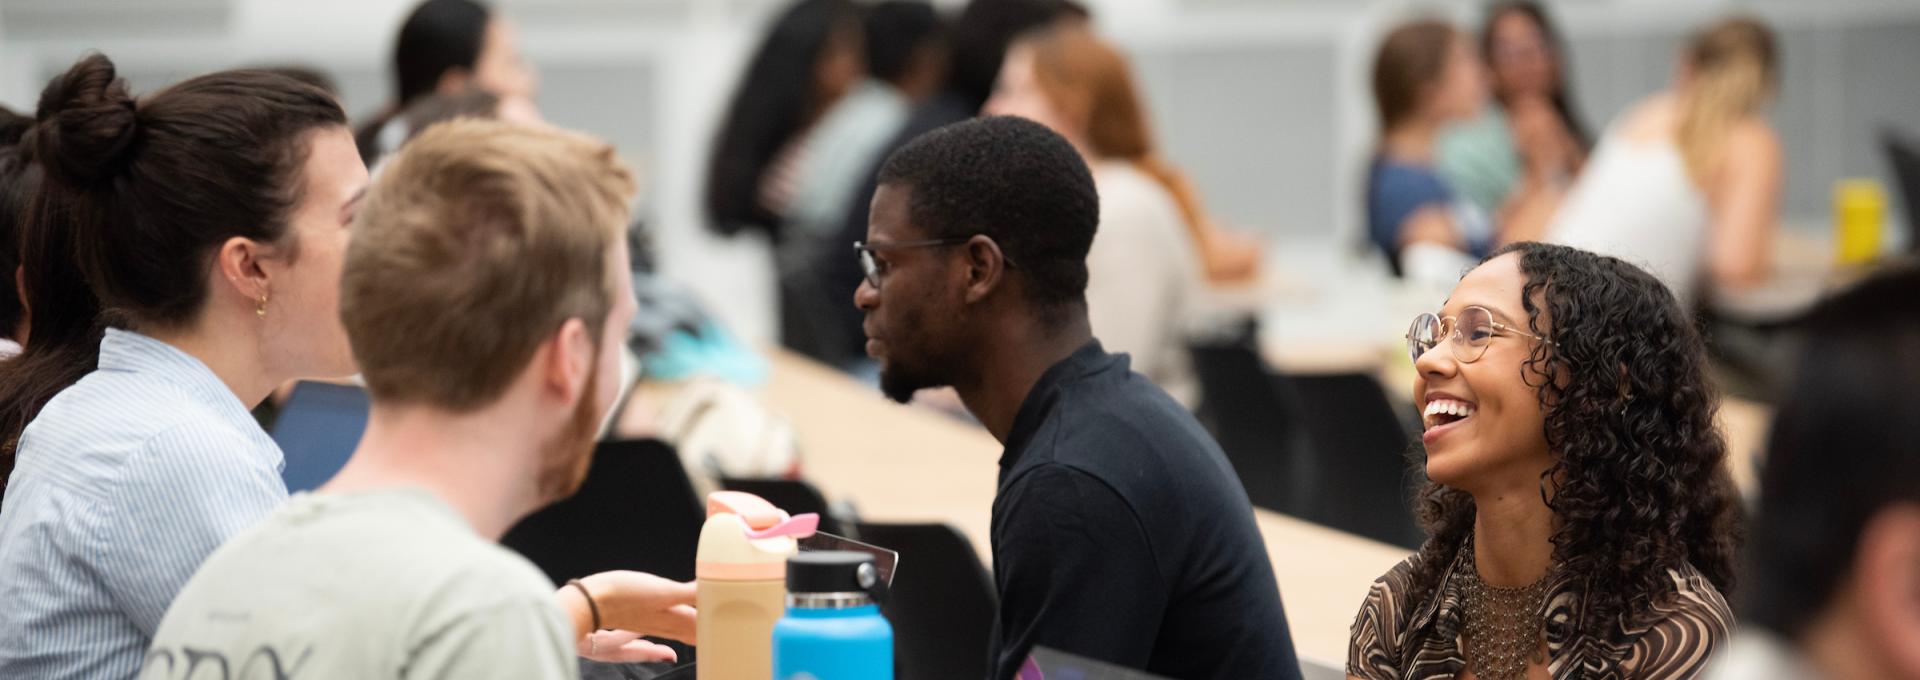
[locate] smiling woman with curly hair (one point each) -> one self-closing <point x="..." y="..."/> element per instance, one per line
<point x="1581" y="520"/>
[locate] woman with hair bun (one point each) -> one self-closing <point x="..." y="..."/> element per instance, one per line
<point x="209" y="221"/>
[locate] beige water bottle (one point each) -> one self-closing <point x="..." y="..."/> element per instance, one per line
<point x="741" y="572"/>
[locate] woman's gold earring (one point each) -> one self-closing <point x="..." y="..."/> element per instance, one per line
<point x="261" y="310"/>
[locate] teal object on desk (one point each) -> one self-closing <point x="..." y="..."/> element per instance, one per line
<point x="712" y="351"/>
<point x="676" y="339"/>
<point x="833" y="630"/>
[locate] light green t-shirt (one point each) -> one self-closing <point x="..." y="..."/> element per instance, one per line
<point x="1478" y="160"/>
<point x="382" y="584"/>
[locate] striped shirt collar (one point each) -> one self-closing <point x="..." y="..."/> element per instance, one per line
<point x="132" y="352"/>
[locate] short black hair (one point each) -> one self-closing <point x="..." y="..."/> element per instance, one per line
<point x="1018" y="183"/>
<point x="895" y="30"/>
<point x="1843" y="447"/>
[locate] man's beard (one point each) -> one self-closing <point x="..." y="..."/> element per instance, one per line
<point x="899" y="383"/>
<point x="902" y="376"/>
<point x="564" y="460"/>
<point x="904" y="372"/>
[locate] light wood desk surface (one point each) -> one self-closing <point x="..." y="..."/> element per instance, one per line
<point x="906" y="464"/>
<point x="1323" y="573"/>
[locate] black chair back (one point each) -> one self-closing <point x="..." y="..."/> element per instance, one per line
<point x="1249" y="415"/>
<point x="636" y="510"/>
<point x="941" y="604"/>
<point x="1361" y="480"/>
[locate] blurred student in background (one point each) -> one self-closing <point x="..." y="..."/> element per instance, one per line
<point x="62" y="342"/>
<point x="809" y="59"/>
<point x="1425" y="78"/>
<point x="1833" y="570"/>
<point x="1146" y="270"/>
<point x="906" y="47"/>
<point x="771" y="136"/>
<point x="904" y="59"/>
<point x="218" y="270"/>
<point x="441" y="107"/>
<point x="446" y="47"/>
<point x="1514" y="161"/>
<point x="16" y="189"/>
<point x="69" y="339"/>
<point x="1687" y="182"/>
<point x="976" y="42"/>
<point x="1086" y="88"/>
<point x="1580" y="515"/>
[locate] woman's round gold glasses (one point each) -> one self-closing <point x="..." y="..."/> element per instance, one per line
<point x="1470" y="332"/>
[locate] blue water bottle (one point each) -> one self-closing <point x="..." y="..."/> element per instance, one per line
<point x="833" y="630"/>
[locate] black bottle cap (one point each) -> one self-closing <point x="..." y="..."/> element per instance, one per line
<point x="831" y="571"/>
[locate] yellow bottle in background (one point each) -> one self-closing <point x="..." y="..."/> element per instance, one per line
<point x="1859" y="220"/>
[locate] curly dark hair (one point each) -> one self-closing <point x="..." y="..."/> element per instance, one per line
<point x="1639" y="479"/>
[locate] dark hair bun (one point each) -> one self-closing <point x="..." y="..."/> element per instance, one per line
<point x="87" y="123"/>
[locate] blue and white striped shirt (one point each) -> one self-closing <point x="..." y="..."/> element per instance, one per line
<point x="121" y="487"/>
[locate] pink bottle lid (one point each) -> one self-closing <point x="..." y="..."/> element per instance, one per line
<point x="747" y="538"/>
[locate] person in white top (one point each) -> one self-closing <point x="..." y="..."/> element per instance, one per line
<point x="1143" y="277"/>
<point x="485" y="295"/>
<point x="1156" y="250"/>
<point x="1687" y="182"/>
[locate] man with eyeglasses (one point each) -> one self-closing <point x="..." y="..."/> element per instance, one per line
<point x="1120" y="532"/>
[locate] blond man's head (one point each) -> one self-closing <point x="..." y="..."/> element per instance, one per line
<point x="473" y="247"/>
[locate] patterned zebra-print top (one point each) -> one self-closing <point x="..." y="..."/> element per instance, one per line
<point x="1398" y="639"/>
